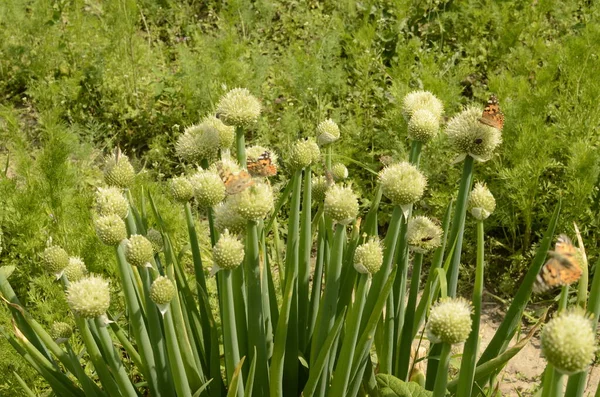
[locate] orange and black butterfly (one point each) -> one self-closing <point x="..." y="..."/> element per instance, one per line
<point x="492" y="115"/>
<point x="234" y="182"/>
<point x="262" y="166"/>
<point x="562" y="268"/>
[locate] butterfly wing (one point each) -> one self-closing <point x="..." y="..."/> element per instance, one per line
<point x="262" y="166"/>
<point x="492" y="115"/>
<point x="562" y="268"/>
<point x="239" y="182"/>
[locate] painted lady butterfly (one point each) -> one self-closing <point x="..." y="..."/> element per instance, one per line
<point x="234" y="182"/>
<point x="562" y="268"/>
<point x="262" y="166"/>
<point x="492" y="115"/>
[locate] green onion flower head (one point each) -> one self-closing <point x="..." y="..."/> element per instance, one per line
<point x="568" y="342"/>
<point x="239" y="108"/>
<point x="110" y="229"/>
<point x="255" y="202"/>
<point x="110" y="200"/>
<point x="228" y="252"/>
<point x="319" y="186"/>
<point x="402" y="183"/>
<point x="227" y="217"/>
<point x="198" y="141"/>
<point x="118" y="171"/>
<point x="449" y="321"/>
<point x="209" y="189"/>
<point x="303" y="153"/>
<point x="339" y="172"/>
<point x="55" y="260"/>
<point x="89" y="297"/>
<point x="162" y="290"/>
<point x="423" y="234"/>
<point x="226" y="133"/>
<point x="419" y="100"/>
<point x="481" y="202"/>
<point x="368" y="257"/>
<point x="61" y="332"/>
<point x="341" y="204"/>
<point x="327" y="132"/>
<point x="155" y="238"/>
<point x="423" y="126"/>
<point x="181" y="189"/>
<point x="138" y="250"/>
<point x="76" y="269"/>
<point x="470" y="137"/>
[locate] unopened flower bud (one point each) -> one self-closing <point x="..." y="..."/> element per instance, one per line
<point x="327" y="132"/>
<point x="481" y="202"/>
<point x="339" y="172"/>
<point x="61" y="332"/>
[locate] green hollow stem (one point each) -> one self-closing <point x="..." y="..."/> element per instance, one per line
<point x="114" y="361"/>
<point x="137" y="322"/>
<point x="328" y="306"/>
<point x="469" y="359"/>
<point x="256" y="323"/>
<point x="317" y="279"/>
<point x="458" y="224"/>
<point x="230" y="337"/>
<point x="240" y="146"/>
<point x="304" y="260"/>
<point x="403" y="356"/>
<point x="577" y="382"/>
<point x="441" y="379"/>
<point x="198" y="270"/>
<point x="341" y="376"/>
<point x="178" y="370"/>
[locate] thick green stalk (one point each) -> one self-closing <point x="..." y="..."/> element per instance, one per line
<point x="108" y="382"/>
<point x="229" y="326"/>
<point x="403" y="355"/>
<point x="256" y="324"/>
<point x="315" y="295"/>
<point x="198" y="269"/>
<point x="328" y="306"/>
<point x="114" y="361"/>
<point x="304" y="260"/>
<point x="458" y="224"/>
<point x="577" y="382"/>
<point x="137" y="323"/>
<point x="178" y="369"/>
<point x="469" y="358"/>
<point x="342" y="372"/>
<point x="292" y="255"/>
<point x="441" y="380"/>
<point x="240" y="302"/>
<point x="240" y="146"/>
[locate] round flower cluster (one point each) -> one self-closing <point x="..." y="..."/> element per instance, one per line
<point x="110" y="229"/>
<point x="303" y="153"/>
<point x="341" y="204"/>
<point x="481" y="202"/>
<point x="418" y="100"/>
<point x="226" y="132"/>
<point x="199" y="141"/>
<point x="227" y="218"/>
<point x="138" y="250"/>
<point x="182" y="189"/>
<point x="75" y="270"/>
<point x="228" y="252"/>
<point x="61" y="332"/>
<point x="110" y="201"/>
<point x="423" y="126"/>
<point x="162" y="291"/>
<point x="449" y="321"/>
<point x="319" y="186"/>
<point x="208" y="187"/>
<point x="155" y="238"/>
<point x="339" y="172"/>
<point x="470" y="137"/>
<point x="327" y="132"/>
<point x="118" y="171"/>
<point x="423" y="234"/>
<point x="568" y="342"/>
<point x="402" y="183"/>
<point x="368" y="257"/>
<point x="253" y="203"/>
<point x="89" y="297"/>
<point x="239" y="108"/>
<point x="55" y="259"/>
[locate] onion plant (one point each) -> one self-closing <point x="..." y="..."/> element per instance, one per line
<point x="311" y="299"/>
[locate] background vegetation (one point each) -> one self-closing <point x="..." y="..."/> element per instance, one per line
<point x="78" y="77"/>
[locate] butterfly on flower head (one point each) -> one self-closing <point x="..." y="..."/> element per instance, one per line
<point x="561" y="269"/>
<point x="234" y="182"/>
<point x="262" y="166"/>
<point x="492" y="115"/>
